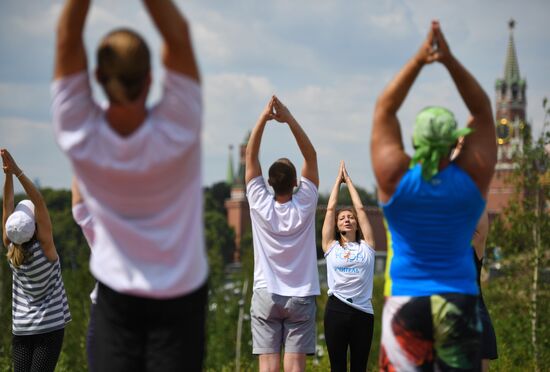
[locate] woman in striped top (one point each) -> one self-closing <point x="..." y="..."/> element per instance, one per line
<point x="39" y="307"/>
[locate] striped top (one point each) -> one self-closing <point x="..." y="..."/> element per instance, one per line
<point x="39" y="300"/>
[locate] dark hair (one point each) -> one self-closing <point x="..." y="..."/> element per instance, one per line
<point x="337" y="235"/>
<point x="123" y="65"/>
<point x="282" y="176"/>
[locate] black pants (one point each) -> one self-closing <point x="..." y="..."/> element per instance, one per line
<point x="143" y="334"/>
<point x="345" y="327"/>
<point x="90" y="340"/>
<point x="37" y="353"/>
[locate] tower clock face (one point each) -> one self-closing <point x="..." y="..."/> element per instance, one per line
<point x="504" y="131"/>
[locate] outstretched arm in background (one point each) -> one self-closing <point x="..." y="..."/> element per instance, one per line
<point x="178" y="52"/>
<point x="389" y="159"/>
<point x="480" y="235"/>
<point x="252" y="161"/>
<point x="327" y="233"/>
<point x="362" y="218"/>
<point x="41" y="215"/>
<point x="70" y="54"/>
<point x="310" y="169"/>
<point x="478" y="155"/>
<point x="81" y="214"/>
<point x="7" y="199"/>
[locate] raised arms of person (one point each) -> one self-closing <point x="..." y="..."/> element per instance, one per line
<point x="310" y="169"/>
<point x="479" y="155"/>
<point x="76" y="197"/>
<point x="178" y="52"/>
<point x="252" y="159"/>
<point x="389" y="159"/>
<point x="362" y="218"/>
<point x="41" y="215"/>
<point x="479" y="239"/>
<point x="70" y="53"/>
<point x="7" y="199"/>
<point x="327" y="233"/>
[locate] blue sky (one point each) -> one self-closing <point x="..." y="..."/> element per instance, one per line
<point x="327" y="60"/>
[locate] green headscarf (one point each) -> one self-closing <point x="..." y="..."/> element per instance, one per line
<point x="435" y="132"/>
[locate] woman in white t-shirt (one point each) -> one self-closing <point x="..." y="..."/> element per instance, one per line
<point x="348" y="244"/>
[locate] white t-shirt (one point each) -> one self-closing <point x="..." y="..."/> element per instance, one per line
<point x="143" y="191"/>
<point x="350" y="272"/>
<point x="285" y="258"/>
<point x="82" y="217"/>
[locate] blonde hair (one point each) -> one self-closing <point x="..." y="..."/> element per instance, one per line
<point x="17" y="254"/>
<point x="123" y="65"/>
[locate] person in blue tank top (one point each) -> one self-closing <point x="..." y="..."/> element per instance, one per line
<point x="431" y="207"/>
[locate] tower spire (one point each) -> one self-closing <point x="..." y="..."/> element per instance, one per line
<point x="511" y="66"/>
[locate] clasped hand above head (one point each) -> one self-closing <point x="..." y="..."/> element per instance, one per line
<point x="8" y="163"/>
<point x="276" y="110"/>
<point x="434" y="48"/>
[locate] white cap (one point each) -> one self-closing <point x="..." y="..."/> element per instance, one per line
<point x="20" y="225"/>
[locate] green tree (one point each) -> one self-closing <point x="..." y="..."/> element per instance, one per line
<point x="523" y="229"/>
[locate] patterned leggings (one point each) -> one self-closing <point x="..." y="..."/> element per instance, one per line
<point x="37" y="353"/>
<point x="439" y="332"/>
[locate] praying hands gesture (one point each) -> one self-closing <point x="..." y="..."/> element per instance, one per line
<point x="434" y="48"/>
<point x="8" y="164"/>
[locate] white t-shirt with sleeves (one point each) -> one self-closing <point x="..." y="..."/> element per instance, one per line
<point x="285" y="258"/>
<point x="350" y="273"/>
<point x="143" y="191"/>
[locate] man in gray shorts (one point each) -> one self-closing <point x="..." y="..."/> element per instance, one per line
<point x="286" y="280"/>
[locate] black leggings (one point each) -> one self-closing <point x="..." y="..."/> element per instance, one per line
<point x="37" y="353"/>
<point x="345" y="326"/>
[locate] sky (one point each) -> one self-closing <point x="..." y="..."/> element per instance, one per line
<point x="327" y="60"/>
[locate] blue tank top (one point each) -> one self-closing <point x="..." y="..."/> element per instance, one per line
<point x="430" y="228"/>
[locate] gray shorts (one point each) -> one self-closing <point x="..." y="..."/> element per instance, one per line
<point x="282" y="320"/>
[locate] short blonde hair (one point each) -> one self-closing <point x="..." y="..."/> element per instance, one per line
<point x="123" y="65"/>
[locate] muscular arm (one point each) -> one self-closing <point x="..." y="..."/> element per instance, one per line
<point x="252" y="161"/>
<point x="70" y="54"/>
<point x="178" y="52"/>
<point x="327" y="233"/>
<point x="478" y="157"/>
<point x="310" y="169"/>
<point x="362" y="218"/>
<point x="389" y="159"/>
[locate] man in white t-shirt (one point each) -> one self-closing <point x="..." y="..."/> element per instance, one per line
<point x="286" y="280"/>
<point x="139" y="174"/>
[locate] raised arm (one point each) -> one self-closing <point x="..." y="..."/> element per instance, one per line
<point x="7" y="199"/>
<point x="327" y="234"/>
<point x="42" y="217"/>
<point x="479" y="239"/>
<point x="252" y="161"/>
<point x="479" y="154"/>
<point x="178" y="52"/>
<point x="70" y="53"/>
<point x="362" y="218"/>
<point x="310" y="169"/>
<point x="389" y="159"/>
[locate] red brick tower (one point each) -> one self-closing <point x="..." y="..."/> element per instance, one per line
<point x="238" y="214"/>
<point x="510" y="124"/>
